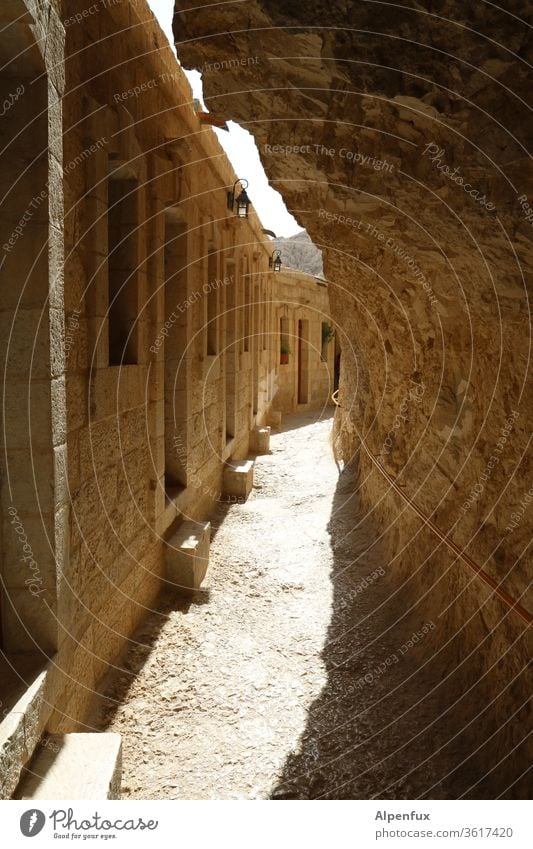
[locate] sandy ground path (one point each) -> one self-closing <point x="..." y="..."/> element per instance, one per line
<point x="289" y="677"/>
<point x="224" y="692"/>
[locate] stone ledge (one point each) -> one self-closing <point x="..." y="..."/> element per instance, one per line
<point x="260" y="440"/>
<point x="238" y="478"/>
<point x="74" y="766"/>
<point x="187" y="555"/>
<point x="20" y="732"/>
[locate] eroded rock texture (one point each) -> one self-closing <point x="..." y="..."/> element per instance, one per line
<point x="397" y="137"/>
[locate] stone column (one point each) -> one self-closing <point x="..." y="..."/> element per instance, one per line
<point x="34" y="492"/>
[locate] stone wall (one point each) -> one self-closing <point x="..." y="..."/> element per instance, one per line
<point x="34" y="491"/>
<point x="307" y="372"/>
<point x="149" y="418"/>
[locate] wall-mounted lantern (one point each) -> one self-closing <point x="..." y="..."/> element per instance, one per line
<point x="274" y="261"/>
<point x="242" y="203"/>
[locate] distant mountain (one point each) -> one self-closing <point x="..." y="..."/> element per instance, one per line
<point x="299" y="252"/>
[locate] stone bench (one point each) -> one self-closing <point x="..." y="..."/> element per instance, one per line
<point x="187" y="554"/>
<point x="74" y="766"/>
<point x="260" y="441"/>
<point x="238" y="479"/>
<point x="23" y="726"/>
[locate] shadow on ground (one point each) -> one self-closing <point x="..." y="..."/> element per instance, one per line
<point x="114" y="689"/>
<point x="401" y="715"/>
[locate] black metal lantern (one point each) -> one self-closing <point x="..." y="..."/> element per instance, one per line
<point x="274" y="261"/>
<point x="242" y="203"/>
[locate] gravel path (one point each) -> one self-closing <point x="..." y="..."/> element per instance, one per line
<point x="293" y="675"/>
<point x="228" y="683"/>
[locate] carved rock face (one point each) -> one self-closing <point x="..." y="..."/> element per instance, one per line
<point x="397" y="139"/>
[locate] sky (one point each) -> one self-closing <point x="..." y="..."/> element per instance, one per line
<point x="240" y="148"/>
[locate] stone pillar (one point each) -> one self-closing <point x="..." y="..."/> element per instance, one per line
<point x="230" y="345"/>
<point x="34" y="491"/>
<point x="176" y="353"/>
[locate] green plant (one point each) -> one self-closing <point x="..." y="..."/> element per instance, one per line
<point x="284" y="348"/>
<point x="327" y="333"/>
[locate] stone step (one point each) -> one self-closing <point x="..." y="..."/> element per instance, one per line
<point x="74" y="766"/>
<point x="260" y="440"/>
<point x="25" y="712"/>
<point x="238" y="478"/>
<point x="187" y="555"/>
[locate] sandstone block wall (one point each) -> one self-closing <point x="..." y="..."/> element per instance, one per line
<point x="306" y="376"/>
<point x="153" y="255"/>
<point x="139" y="337"/>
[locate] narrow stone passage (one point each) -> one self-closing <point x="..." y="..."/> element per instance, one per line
<point x="303" y="670"/>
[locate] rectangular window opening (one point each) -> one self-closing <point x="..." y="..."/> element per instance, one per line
<point x="327" y="335"/>
<point x="284" y="348"/>
<point x="122" y="267"/>
<point x="175" y="363"/>
<point x="212" y="304"/>
<point x="247" y="306"/>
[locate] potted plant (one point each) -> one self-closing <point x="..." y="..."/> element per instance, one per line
<point x="328" y="334"/>
<point x="284" y="352"/>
